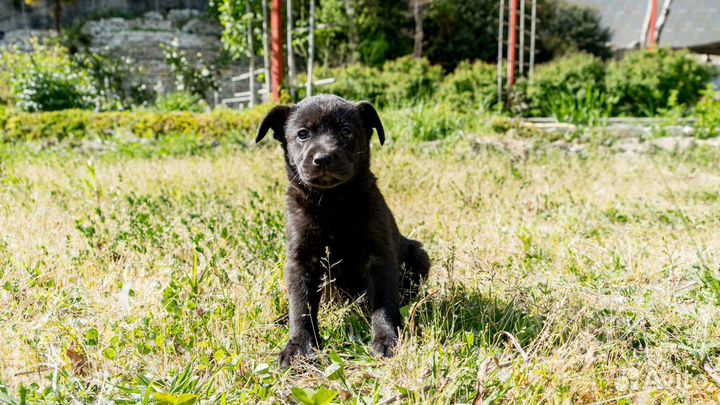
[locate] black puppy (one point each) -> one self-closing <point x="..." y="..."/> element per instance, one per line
<point x="335" y="206"/>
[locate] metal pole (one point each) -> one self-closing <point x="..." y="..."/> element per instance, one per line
<point x="291" y="55"/>
<point x="533" y="17"/>
<point x="521" y="48"/>
<point x="512" y="37"/>
<point x="266" y="52"/>
<point x="653" y="24"/>
<point x="311" y="50"/>
<point x="646" y="24"/>
<point x="500" y="50"/>
<point x="277" y="48"/>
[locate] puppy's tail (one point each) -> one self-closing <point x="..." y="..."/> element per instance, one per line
<point x="416" y="269"/>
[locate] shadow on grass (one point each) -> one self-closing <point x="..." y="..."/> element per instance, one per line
<point x="458" y="310"/>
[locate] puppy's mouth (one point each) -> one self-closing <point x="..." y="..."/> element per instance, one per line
<point x="325" y="180"/>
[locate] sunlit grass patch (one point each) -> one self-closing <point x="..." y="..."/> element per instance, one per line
<point x="134" y="275"/>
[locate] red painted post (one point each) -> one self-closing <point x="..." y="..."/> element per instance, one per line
<point x="277" y="48"/>
<point x="653" y="24"/>
<point x="513" y="42"/>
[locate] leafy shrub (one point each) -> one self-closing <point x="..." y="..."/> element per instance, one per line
<point x="707" y="112"/>
<point x="429" y="123"/>
<point x="354" y="82"/>
<point x="115" y="81"/>
<point x="43" y="80"/>
<point x="4" y="115"/>
<point x="181" y="101"/>
<point x="564" y="80"/>
<point x="196" y="78"/>
<point x="400" y="81"/>
<point x="409" y="79"/>
<point x="471" y="85"/>
<point x="79" y="124"/>
<point x="42" y="88"/>
<point x="49" y="78"/>
<point x="588" y="106"/>
<point x="642" y="83"/>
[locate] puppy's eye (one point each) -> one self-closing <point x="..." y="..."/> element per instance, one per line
<point x="346" y="132"/>
<point x="303" y="134"/>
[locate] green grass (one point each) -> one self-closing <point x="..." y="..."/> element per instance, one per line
<point x="152" y="273"/>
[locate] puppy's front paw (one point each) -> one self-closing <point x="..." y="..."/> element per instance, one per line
<point x="384" y="345"/>
<point x="294" y="349"/>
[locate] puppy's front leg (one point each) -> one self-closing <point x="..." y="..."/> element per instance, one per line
<point x="303" y="285"/>
<point x="383" y="294"/>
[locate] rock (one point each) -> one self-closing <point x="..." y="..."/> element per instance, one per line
<point x="181" y="16"/>
<point x="519" y="148"/>
<point x="630" y="146"/>
<point x="22" y="39"/>
<point x="556" y="129"/>
<point x="673" y="143"/>
<point x="630" y="130"/>
<point x="712" y="142"/>
<point x="202" y="27"/>
<point x="573" y="148"/>
<point x="153" y="15"/>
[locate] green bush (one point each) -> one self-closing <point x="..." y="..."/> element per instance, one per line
<point x="4" y="115"/>
<point x="181" y="101"/>
<point x="405" y="80"/>
<point x="354" y="82"/>
<point x="434" y="122"/>
<point x="44" y="80"/>
<point x="409" y="79"/>
<point x="642" y="83"/>
<point x="570" y="78"/>
<point x="707" y="112"/>
<point x="471" y="85"/>
<point x="79" y="124"/>
<point x="43" y="88"/>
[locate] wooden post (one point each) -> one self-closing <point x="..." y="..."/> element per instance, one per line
<point x="533" y="17"/>
<point x="512" y="37"/>
<point x="501" y="24"/>
<point x="251" y="54"/>
<point x="57" y="14"/>
<point x="311" y="51"/>
<point x="277" y="56"/>
<point x="290" y="54"/>
<point x="266" y="51"/>
<point x="521" y="48"/>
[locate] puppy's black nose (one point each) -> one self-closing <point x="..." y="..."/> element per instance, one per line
<point x="322" y="159"/>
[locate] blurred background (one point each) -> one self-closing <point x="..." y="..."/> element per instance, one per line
<point x="195" y="54"/>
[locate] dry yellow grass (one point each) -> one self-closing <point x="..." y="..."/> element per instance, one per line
<point x="559" y="279"/>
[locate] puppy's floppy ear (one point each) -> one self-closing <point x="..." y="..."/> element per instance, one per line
<point x="371" y="118"/>
<point x="274" y="120"/>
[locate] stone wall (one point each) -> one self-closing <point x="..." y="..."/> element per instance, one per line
<point x="139" y="39"/>
<point x="14" y="14"/>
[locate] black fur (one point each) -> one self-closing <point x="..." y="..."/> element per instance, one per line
<point x="333" y="203"/>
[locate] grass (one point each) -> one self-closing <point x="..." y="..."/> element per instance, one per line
<point x="152" y="273"/>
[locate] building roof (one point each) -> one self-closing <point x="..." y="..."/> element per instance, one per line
<point x="691" y="24"/>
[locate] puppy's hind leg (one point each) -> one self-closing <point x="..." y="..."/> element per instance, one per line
<point x="416" y="268"/>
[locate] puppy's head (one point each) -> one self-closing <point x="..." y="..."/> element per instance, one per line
<point x="326" y="138"/>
